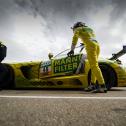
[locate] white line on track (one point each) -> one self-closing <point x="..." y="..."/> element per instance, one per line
<point x="61" y="97"/>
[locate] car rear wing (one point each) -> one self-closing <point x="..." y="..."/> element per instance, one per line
<point x="119" y="54"/>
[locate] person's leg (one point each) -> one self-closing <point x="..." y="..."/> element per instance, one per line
<point x="93" y="77"/>
<point x="91" y="51"/>
<point x="100" y="88"/>
<point x="96" y="71"/>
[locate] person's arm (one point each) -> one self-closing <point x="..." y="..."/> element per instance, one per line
<point x="74" y="39"/>
<point x="74" y="42"/>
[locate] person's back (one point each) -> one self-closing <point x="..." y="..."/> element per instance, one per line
<point x="85" y="33"/>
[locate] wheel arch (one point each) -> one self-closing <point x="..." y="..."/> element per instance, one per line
<point x="9" y="83"/>
<point x="103" y="67"/>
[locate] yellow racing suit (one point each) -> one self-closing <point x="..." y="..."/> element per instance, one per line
<point x="92" y="47"/>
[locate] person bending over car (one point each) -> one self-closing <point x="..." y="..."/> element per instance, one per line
<point x="92" y="47"/>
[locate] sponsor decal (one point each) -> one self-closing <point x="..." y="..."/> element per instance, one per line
<point x="45" y="68"/>
<point x="67" y="64"/>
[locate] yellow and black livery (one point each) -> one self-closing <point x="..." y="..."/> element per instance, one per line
<point x="60" y="73"/>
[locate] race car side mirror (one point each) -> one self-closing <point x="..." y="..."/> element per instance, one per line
<point x="3" y="52"/>
<point x="50" y="55"/>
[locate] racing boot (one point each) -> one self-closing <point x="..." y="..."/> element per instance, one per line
<point x="91" y="87"/>
<point x="100" y="89"/>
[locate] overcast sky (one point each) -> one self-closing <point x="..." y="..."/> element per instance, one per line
<point x="33" y="28"/>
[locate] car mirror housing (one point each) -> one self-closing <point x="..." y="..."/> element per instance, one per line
<point x="50" y="55"/>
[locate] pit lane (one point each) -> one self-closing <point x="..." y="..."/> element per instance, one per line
<point x="62" y="108"/>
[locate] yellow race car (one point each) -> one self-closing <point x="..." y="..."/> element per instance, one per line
<point x="61" y="72"/>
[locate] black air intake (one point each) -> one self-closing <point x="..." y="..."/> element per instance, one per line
<point x="3" y="51"/>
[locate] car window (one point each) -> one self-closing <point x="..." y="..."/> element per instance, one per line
<point x="64" y="53"/>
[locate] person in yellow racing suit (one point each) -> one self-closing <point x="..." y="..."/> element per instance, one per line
<point x="92" y="47"/>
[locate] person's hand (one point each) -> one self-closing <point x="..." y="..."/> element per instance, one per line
<point x="81" y="44"/>
<point x="70" y="53"/>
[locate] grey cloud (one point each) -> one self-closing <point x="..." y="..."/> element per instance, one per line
<point x="58" y="12"/>
<point x="66" y="8"/>
<point x="119" y="9"/>
<point x="58" y="15"/>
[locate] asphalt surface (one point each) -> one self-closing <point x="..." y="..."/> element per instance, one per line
<point x="62" y="108"/>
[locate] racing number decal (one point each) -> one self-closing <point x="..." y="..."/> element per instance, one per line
<point x="45" y="68"/>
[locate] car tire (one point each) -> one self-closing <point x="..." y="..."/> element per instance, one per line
<point x="6" y="77"/>
<point x="3" y="71"/>
<point x="108" y="74"/>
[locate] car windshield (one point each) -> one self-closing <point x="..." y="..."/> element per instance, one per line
<point x="64" y="53"/>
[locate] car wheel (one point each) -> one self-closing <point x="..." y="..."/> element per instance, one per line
<point x="108" y="74"/>
<point x="6" y="77"/>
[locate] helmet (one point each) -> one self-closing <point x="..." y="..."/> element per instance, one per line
<point x="78" y="24"/>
